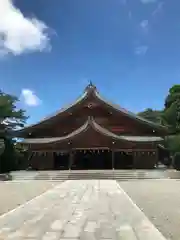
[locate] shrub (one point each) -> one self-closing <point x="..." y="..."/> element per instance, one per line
<point x="176" y="161"/>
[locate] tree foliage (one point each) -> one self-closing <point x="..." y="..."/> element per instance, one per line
<point x="176" y="161"/>
<point x="170" y="115"/>
<point x="173" y="143"/>
<point x="151" y="115"/>
<point x="10" y="119"/>
<point x="171" y="112"/>
<point x="10" y="116"/>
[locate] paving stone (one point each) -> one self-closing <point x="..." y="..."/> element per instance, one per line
<point x="88" y="236"/>
<point x="145" y="230"/>
<point x="126" y="233"/>
<point x="68" y="238"/>
<point x="85" y="210"/>
<point x="50" y="236"/>
<point x="4" y="232"/>
<point x="57" y="225"/>
<point x="91" y="227"/>
<point x="71" y="231"/>
<point x="14" y="235"/>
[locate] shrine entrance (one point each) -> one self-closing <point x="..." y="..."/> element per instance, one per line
<point x="92" y="159"/>
<point x="61" y="160"/>
<point x="123" y="160"/>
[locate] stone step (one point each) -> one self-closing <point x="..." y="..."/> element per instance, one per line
<point x="87" y="175"/>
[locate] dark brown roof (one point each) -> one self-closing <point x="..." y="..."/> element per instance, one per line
<point x="128" y="113"/>
<point x="89" y="91"/>
<point x="57" y="139"/>
<point x="91" y="123"/>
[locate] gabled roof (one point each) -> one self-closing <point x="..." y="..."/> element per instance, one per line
<point x="91" y="90"/>
<point x="90" y="123"/>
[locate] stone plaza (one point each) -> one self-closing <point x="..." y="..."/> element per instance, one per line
<point x="82" y="209"/>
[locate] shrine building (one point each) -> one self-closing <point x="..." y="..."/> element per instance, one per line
<point x="93" y="133"/>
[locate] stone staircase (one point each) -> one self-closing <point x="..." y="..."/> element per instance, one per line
<point x="121" y="175"/>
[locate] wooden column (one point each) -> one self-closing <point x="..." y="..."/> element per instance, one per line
<point x="112" y="159"/>
<point x="30" y="156"/>
<point x="71" y="158"/>
<point x="134" y="158"/>
<point x="112" y="149"/>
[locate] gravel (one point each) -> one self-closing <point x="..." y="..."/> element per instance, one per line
<point x="160" y="201"/>
<point x="14" y="194"/>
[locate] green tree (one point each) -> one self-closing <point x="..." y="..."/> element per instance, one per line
<point x="171" y="113"/>
<point x="173" y="143"/>
<point x="151" y="115"/>
<point x="10" y="119"/>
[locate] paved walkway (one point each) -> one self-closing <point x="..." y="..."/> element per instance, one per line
<point x="86" y="210"/>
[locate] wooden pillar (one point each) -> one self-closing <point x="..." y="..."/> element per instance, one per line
<point x="30" y="156"/>
<point x="112" y="149"/>
<point x="134" y="159"/>
<point x="112" y="159"/>
<point x="71" y="158"/>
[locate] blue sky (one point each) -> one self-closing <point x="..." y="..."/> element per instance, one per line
<point x="50" y="49"/>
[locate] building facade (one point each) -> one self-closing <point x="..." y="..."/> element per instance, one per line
<point x="93" y="133"/>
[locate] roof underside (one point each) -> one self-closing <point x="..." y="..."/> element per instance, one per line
<point x="90" y="123"/>
<point x="89" y="92"/>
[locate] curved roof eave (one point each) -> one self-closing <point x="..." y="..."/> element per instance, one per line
<point x="128" y="113"/>
<point x="91" y="123"/>
<point x="57" y="139"/>
<point x="125" y="138"/>
<point x="62" y="110"/>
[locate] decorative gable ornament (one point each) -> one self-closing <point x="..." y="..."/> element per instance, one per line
<point x="90" y="105"/>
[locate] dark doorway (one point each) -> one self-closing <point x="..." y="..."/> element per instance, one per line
<point x="123" y="160"/>
<point x="61" y="161"/>
<point x="92" y="159"/>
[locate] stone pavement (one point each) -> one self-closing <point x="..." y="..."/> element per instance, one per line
<point x="15" y="193"/>
<point x="86" y="210"/>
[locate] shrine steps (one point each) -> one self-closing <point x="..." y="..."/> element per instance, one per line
<point x="122" y="175"/>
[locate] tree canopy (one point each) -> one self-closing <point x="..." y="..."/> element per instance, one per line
<point x="10" y="119"/>
<point x="168" y="116"/>
<point x="171" y="112"/>
<point x="151" y="115"/>
<point x="10" y="116"/>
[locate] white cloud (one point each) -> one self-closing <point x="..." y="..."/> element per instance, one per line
<point x="144" y="25"/>
<point x="158" y="9"/>
<point x="148" y="1"/>
<point x="141" y="50"/>
<point x="19" y="34"/>
<point x="30" y="98"/>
